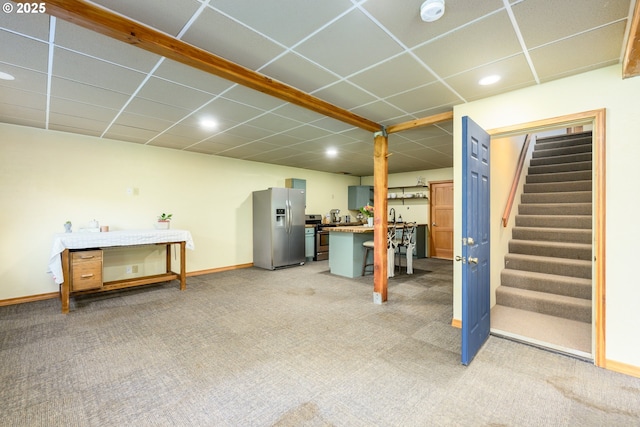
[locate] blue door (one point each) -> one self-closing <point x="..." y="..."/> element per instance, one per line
<point x="475" y="236"/>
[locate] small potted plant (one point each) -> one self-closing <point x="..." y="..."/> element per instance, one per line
<point x="164" y="221"/>
<point x="367" y="211"/>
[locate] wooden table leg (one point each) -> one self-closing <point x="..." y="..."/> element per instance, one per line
<point x="183" y="266"/>
<point x="168" y="254"/>
<point x="64" y="289"/>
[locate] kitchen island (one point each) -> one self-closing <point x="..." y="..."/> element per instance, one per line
<point x="345" y="256"/>
<point x="347" y="253"/>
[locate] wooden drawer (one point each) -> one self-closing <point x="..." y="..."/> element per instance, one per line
<point x="86" y="270"/>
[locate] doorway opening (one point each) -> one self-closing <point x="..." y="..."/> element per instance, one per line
<point x="595" y="121"/>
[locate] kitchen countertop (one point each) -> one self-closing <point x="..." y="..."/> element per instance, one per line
<point x="352" y="229"/>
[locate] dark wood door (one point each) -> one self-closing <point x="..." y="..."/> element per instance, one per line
<point x="441" y="233"/>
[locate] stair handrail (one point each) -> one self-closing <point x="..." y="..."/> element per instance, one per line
<point x="516" y="180"/>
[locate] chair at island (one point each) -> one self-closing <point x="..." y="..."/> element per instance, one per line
<point x="407" y="242"/>
<point x="391" y="251"/>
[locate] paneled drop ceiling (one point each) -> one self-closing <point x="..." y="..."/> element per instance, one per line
<point x="374" y="58"/>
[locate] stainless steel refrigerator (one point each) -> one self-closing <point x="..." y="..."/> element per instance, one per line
<point x="278" y="227"/>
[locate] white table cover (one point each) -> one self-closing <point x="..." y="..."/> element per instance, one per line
<point x="85" y="240"/>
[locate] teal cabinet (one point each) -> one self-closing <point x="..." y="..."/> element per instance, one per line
<point x="359" y="196"/>
<point x="309" y="243"/>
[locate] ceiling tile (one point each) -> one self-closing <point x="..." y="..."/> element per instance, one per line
<point x="514" y="71"/>
<point x="169" y="16"/>
<point x="225" y="109"/>
<point x="398" y="74"/>
<point x="25" y="52"/>
<point x="287" y="21"/>
<point x="378" y="111"/>
<point x="142" y="122"/>
<point x="350" y="44"/>
<point x="423" y="98"/>
<point x="81" y="92"/>
<point x="478" y="43"/>
<point x="344" y="95"/>
<point x="544" y="21"/>
<point x="192" y="77"/>
<point x="74" y="66"/>
<point x="88" y="42"/>
<point x="231" y="40"/>
<point x="298" y="72"/>
<point x="129" y="133"/>
<point x="82" y="110"/>
<point x="274" y="122"/>
<point x="601" y="46"/>
<point x="402" y="18"/>
<point x="158" y="110"/>
<point x="25" y="79"/>
<point x="34" y="24"/>
<point x="165" y="92"/>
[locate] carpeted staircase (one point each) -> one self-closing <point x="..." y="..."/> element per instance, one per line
<point x="548" y="267"/>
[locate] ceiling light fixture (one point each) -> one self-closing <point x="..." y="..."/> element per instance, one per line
<point x="489" y="80"/>
<point x="331" y="152"/>
<point x="208" y="123"/>
<point x="432" y="10"/>
<point x="6" y="76"/>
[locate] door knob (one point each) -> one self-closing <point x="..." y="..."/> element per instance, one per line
<point x="434" y="224"/>
<point x="460" y="258"/>
<point x="470" y="241"/>
<point x="473" y="260"/>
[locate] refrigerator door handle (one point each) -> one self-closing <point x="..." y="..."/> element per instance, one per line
<point x="288" y="216"/>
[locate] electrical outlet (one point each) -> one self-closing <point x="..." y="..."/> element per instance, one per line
<point x="129" y="269"/>
<point x="134" y="269"/>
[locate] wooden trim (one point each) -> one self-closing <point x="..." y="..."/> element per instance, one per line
<point x="631" y="62"/>
<point x="425" y="121"/>
<point x="622" y="368"/>
<point x="456" y="323"/>
<point x="600" y="253"/>
<point x="219" y="269"/>
<point x="119" y="27"/>
<point x="30" y="298"/>
<point x="380" y="185"/>
<point x="598" y="119"/>
<point x="516" y="180"/>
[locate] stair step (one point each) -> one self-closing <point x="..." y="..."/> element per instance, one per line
<point x="562" y="335"/>
<point x="544" y="145"/>
<point x="561" y="167"/>
<point x="549" y="265"/>
<point x="551" y="249"/>
<point x="555" y="221"/>
<point x="557" y="197"/>
<point x="572" y="135"/>
<point x="561" y="151"/>
<point x="559" y="177"/>
<point x="570" y="158"/>
<point x="575" y="287"/>
<point x="573" y="235"/>
<point x="555" y="305"/>
<point x="555" y="187"/>
<point x="554" y="209"/>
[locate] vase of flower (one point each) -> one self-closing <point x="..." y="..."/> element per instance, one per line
<point x="367" y="211"/>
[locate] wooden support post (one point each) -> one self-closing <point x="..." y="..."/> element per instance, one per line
<point x="380" y="184"/>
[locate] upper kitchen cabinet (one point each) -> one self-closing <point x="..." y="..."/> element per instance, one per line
<point x="359" y="196"/>
<point x="300" y="184"/>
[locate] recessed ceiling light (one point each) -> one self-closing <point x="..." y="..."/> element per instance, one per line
<point x="331" y="152"/>
<point x="489" y="80"/>
<point x="6" y="76"/>
<point x="432" y="10"/>
<point x="208" y="123"/>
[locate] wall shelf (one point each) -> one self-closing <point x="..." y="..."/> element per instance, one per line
<point x="419" y="193"/>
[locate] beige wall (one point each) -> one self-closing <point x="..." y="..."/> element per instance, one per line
<point x="597" y="89"/>
<point x="48" y="177"/>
